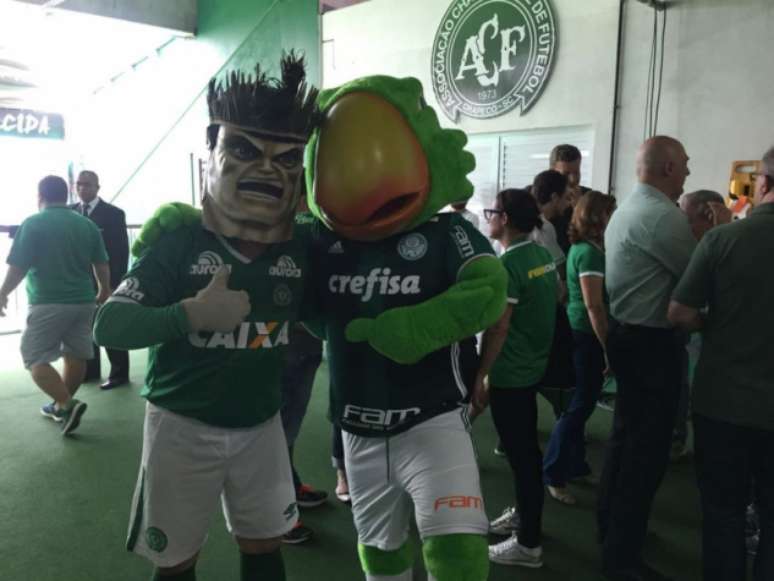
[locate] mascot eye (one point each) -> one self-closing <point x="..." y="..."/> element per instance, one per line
<point x="289" y="159"/>
<point x="242" y="149"/>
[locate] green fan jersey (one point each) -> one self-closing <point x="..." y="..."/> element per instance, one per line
<point x="223" y="379"/>
<point x="585" y="259"/>
<point x="372" y="395"/>
<point x="532" y="293"/>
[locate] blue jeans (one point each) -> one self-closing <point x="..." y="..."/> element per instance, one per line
<point x="565" y="456"/>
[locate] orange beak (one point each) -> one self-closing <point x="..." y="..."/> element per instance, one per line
<point x="371" y="174"/>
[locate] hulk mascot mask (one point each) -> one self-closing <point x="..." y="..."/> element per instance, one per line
<point x="256" y="139"/>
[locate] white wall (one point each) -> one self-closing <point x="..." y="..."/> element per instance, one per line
<point x="718" y="77"/>
<point x="395" y="37"/>
<point x="717" y="87"/>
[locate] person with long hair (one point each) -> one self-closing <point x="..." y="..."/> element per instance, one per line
<point x="565" y="457"/>
<point x="514" y="358"/>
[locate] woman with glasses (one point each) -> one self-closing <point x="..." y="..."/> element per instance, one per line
<point x="565" y="457"/>
<point x="514" y="357"/>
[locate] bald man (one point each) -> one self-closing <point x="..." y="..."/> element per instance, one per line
<point x="648" y="246"/>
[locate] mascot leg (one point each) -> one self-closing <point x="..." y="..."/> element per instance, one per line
<point x="459" y="557"/>
<point x="386" y="565"/>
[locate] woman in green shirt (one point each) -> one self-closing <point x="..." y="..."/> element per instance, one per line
<point x="565" y="457"/>
<point x="514" y="357"/>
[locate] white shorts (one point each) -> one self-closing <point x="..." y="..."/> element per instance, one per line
<point x="432" y="466"/>
<point x="188" y="465"/>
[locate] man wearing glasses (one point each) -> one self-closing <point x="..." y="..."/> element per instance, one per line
<point x="731" y="273"/>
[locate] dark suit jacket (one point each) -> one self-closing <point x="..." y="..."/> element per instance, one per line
<point x="111" y="222"/>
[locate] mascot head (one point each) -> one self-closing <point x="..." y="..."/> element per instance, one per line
<point x="379" y="162"/>
<point x="258" y="129"/>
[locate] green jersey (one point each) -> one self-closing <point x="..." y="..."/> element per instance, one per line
<point x="532" y="292"/>
<point x="372" y="395"/>
<point x="223" y="379"/>
<point x="585" y="259"/>
<point x="58" y="247"/>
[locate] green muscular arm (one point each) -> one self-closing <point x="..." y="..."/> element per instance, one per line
<point x="131" y="326"/>
<point x="167" y="218"/>
<point x="407" y="334"/>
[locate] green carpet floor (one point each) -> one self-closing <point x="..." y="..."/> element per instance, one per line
<point x="64" y="502"/>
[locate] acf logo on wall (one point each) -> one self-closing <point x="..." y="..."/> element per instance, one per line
<point x="492" y="56"/>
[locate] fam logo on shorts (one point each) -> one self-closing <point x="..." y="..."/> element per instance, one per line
<point x="156" y="539"/>
<point x="285" y="267"/>
<point x="208" y="263"/>
<point x="462" y="501"/>
<point x="130" y="288"/>
<point x="412" y="246"/>
<point x="490" y="57"/>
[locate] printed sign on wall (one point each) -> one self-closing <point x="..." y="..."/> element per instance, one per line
<point x="27" y="123"/>
<point x="492" y="56"/>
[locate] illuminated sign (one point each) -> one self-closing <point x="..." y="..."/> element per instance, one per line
<point x="32" y="124"/>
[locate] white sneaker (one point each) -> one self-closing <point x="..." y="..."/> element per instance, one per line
<point x="507" y="523"/>
<point x="510" y="552"/>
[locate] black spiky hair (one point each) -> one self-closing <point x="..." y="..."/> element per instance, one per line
<point x="283" y="105"/>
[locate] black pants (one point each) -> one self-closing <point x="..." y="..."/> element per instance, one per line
<point x="646" y="362"/>
<point x="514" y="411"/>
<point x="119" y="364"/>
<point x="729" y="459"/>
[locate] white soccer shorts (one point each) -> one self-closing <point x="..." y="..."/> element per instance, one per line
<point x="432" y="466"/>
<point x="188" y="465"/>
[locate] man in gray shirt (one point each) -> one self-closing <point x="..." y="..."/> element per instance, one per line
<point x="648" y="245"/>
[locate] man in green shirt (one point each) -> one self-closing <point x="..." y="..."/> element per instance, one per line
<point x="733" y="401"/>
<point x="56" y="250"/>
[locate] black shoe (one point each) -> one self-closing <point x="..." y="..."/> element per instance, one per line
<point x="298" y="534"/>
<point x="113" y="383"/>
<point x="72" y="417"/>
<point x="91" y="378"/>
<point x="308" y="497"/>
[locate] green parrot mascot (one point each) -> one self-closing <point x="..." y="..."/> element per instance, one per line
<point x="398" y="291"/>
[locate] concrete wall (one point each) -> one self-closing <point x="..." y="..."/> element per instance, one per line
<point x="395" y="37"/>
<point x="139" y="132"/>
<point x="717" y="76"/>
<point x="717" y="86"/>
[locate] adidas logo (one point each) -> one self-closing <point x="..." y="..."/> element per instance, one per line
<point x="285" y="267"/>
<point x="337" y="248"/>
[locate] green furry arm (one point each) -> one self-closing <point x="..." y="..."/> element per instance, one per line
<point x="407" y="334"/>
<point x="167" y="218"/>
<point x="131" y="326"/>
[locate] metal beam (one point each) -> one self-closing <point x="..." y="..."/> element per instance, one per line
<point x="177" y="15"/>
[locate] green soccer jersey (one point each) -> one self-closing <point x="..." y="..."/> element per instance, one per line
<point x="372" y="395"/>
<point x="223" y="379"/>
<point x="532" y="292"/>
<point x="585" y="259"/>
<point x="58" y="247"/>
